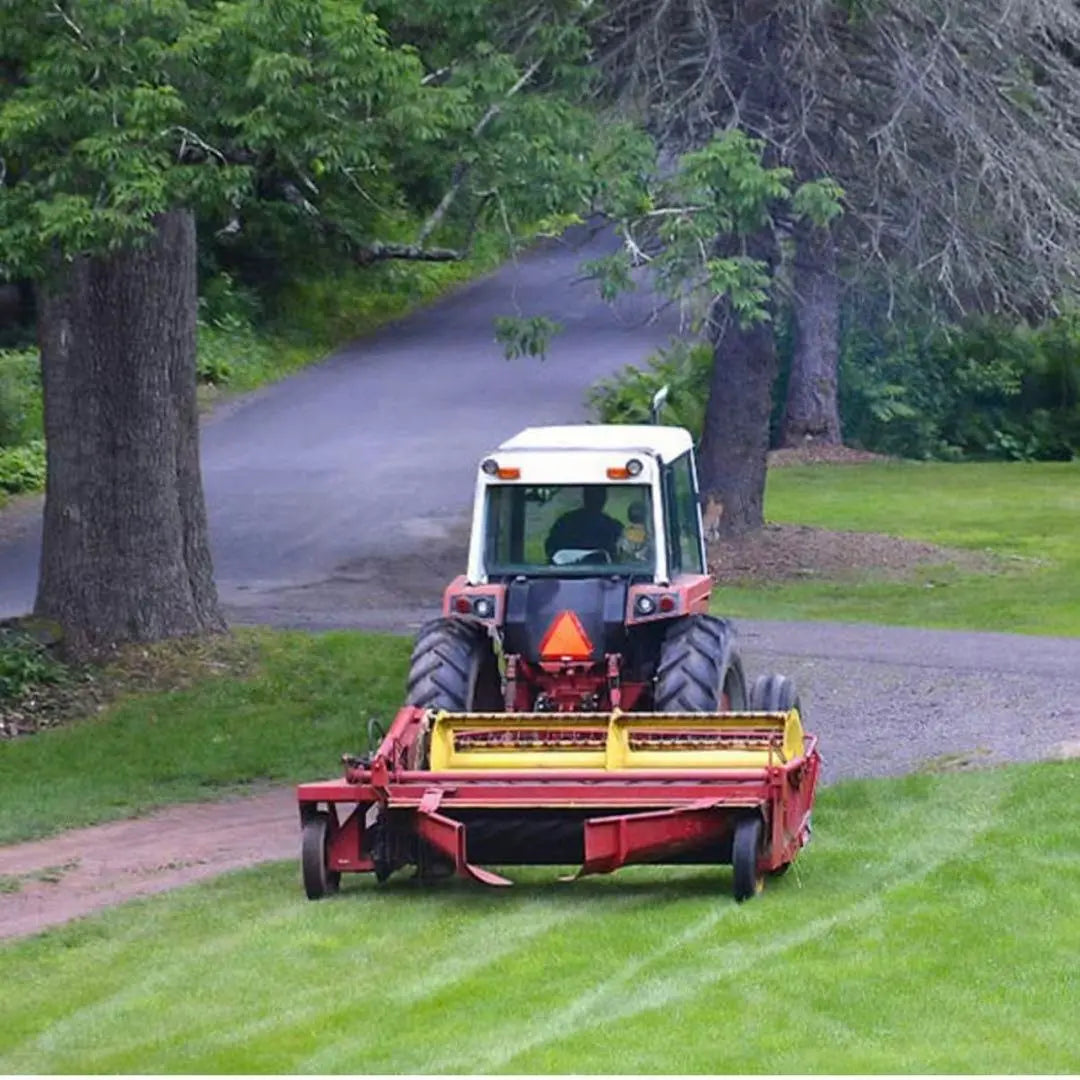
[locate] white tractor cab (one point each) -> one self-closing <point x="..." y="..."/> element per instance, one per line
<point x="585" y="501"/>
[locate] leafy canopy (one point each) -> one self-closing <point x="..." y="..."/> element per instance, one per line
<point x="304" y="113"/>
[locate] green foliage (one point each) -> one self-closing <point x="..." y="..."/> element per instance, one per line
<point x="20" y="396"/>
<point x="818" y="200"/>
<point x="525" y="336"/>
<point x="685" y="367"/>
<point x="987" y="389"/>
<point x="292" y="126"/>
<point x="729" y="185"/>
<point x="22" y="468"/>
<point x="722" y="190"/>
<point x="24" y="664"/>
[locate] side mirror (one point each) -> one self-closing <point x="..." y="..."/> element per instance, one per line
<point x="658" y="400"/>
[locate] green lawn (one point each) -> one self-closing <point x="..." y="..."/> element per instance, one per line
<point x="1026" y="514"/>
<point x="932" y="926"/>
<point x="306" y="703"/>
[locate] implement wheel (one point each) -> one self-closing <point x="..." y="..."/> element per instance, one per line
<point x="745" y="848"/>
<point x="319" y="880"/>
<point x="453" y="667"/>
<point x="699" y="669"/>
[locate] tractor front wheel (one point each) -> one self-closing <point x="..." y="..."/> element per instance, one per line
<point x="699" y="669"/>
<point x="453" y="667"/>
<point x="319" y="879"/>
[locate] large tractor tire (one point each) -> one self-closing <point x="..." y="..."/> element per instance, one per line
<point x="699" y="669"/>
<point x="453" y="667"/>
<point x="774" y="693"/>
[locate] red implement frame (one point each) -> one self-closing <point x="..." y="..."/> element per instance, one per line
<point x="641" y="815"/>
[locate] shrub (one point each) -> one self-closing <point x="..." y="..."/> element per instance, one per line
<point x="24" y="664"/>
<point x="684" y="367"/>
<point x="22" y="468"/>
<point x="986" y="389"/>
<point x="20" y="396"/>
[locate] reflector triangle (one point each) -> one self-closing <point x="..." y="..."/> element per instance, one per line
<point x="566" y="638"/>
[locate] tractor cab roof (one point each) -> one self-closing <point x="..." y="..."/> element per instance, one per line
<point x="667" y="443"/>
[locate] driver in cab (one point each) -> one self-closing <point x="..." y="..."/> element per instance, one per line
<point x="587" y="527"/>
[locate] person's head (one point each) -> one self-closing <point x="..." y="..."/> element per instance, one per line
<point x="595" y="495"/>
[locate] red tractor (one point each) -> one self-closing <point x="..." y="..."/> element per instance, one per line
<point x="576" y="703"/>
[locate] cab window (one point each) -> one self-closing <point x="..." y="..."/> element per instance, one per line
<point x="683" y="519"/>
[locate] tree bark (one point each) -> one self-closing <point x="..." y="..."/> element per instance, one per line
<point x="811" y="412"/>
<point x="735" y="441"/>
<point x="125" y="554"/>
<point x="735" y="437"/>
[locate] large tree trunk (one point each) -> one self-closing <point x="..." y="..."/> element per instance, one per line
<point x="811" y="413"/>
<point x="735" y="441"/>
<point x="735" y="437"/>
<point x="125" y="555"/>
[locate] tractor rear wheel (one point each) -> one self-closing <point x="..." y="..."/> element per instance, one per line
<point x="745" y="848"/>
<point x="774" y="693"/>
<point x="453" y="667"/>
<point x="319" y="879"/>
<point x="699" y="669"/>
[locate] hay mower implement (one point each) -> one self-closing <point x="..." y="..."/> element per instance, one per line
<point x="575" y="704"/>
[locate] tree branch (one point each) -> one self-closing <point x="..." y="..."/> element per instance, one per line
<point x="378" y="251"/>
<point x="461" y="170"/>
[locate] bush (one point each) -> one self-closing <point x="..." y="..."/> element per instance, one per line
<point x="20" y="396"/>
<point x="986" y="389"/>
<point x="22" y="468"/>
<point x="24" y="664"/>
<point x="684" y="367"/>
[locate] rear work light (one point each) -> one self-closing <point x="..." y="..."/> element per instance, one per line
<point x="644" y="605"/>
<point x="483" y="607"/>
<point x="623" y="472"/>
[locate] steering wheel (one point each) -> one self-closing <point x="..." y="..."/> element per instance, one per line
<point x="579" y="556"/>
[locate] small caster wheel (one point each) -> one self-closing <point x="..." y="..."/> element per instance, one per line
<point x="745" y="848"/>
<point x="319" y="879"/>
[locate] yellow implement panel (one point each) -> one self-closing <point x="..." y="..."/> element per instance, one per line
<point x="616" y="740"/>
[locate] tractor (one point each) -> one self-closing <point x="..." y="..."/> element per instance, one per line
<point x="575" y="702"/>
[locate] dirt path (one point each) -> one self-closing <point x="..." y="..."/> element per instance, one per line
<point x="64" y="877"/>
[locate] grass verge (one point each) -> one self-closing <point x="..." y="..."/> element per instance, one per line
<point x="1027" y="514"/>
<point x="932" y="926"/>
<point x="302" y="701"/>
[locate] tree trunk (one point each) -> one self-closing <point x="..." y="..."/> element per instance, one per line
<point x="735" y="437"/>
<point x="735" y="441"/>
<point x="811" y="413"/>
<point x="125" y="554"/>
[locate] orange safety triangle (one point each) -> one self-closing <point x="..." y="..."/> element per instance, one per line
<point x="566" y="638"/>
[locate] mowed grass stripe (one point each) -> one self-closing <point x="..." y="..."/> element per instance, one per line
<point x="638" y="988"/>
<point x="932" y="925"/>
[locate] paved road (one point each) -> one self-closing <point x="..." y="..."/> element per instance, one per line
<point x="338" y="498"/>
<point x="372" y="452"/>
